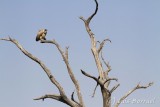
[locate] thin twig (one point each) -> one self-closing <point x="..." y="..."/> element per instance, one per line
<point x="95" y="90"/>
<point x="110" y="80"/>
<point x="106" y="63"/>
<point x="72" y="97"/>
<point x="114" y="88"/>
<point x="102" y="44"/>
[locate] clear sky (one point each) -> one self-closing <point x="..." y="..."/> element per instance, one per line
<point x="134" y="54"/>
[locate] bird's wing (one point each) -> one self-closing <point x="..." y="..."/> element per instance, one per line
<point x="39" y="34"/>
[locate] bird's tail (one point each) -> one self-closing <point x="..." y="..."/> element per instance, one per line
<point x="37" y="38"/>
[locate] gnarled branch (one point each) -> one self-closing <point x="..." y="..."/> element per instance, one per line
<point x="131" y="91"/>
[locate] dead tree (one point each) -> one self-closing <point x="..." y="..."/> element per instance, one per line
<point x="103" y="80"/>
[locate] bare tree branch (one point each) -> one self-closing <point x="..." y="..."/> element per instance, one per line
<point x="5" y="39"/>
<point x="94" y="42"/>
<point x="114" y="88"/>
<point x="90" y="18"/>
<point x="95" y="90"/>
<point x="56" y="97"/>
<point x="98" y="81"/>
<point x="88" y="75"/>
<point x="47" y="71"/>
<point x="102" y="44"/>
<point x="104" y="89"/>
<point x="103" y="85"/>
<point x="72" y="97"/>
<point x="131" y="91"/>
<point x="106" y="63"/>
<point x="110" y="80"/>
<point x="87" y="22"/>
<point x="66" y="53"/>
<point x="51" y="77"/>
<point x="70" y="72"/>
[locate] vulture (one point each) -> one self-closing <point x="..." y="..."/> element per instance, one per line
<point x="41" y="34"/>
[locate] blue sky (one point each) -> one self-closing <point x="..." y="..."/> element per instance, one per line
<point x="134" y="54"/>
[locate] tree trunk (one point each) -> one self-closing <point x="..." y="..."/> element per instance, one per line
<point x="106" y="97"/>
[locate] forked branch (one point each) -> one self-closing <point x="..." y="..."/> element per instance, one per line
<point x="131" y="91"/>
<point x="94" y="42"/>
<point x="62" y="97"/>
<point x="64" y="55"/>
<point x="103" y="85"/>
<point x="90" y="18"/>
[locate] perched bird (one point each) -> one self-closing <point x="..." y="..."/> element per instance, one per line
<point x="41" y="34"/>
